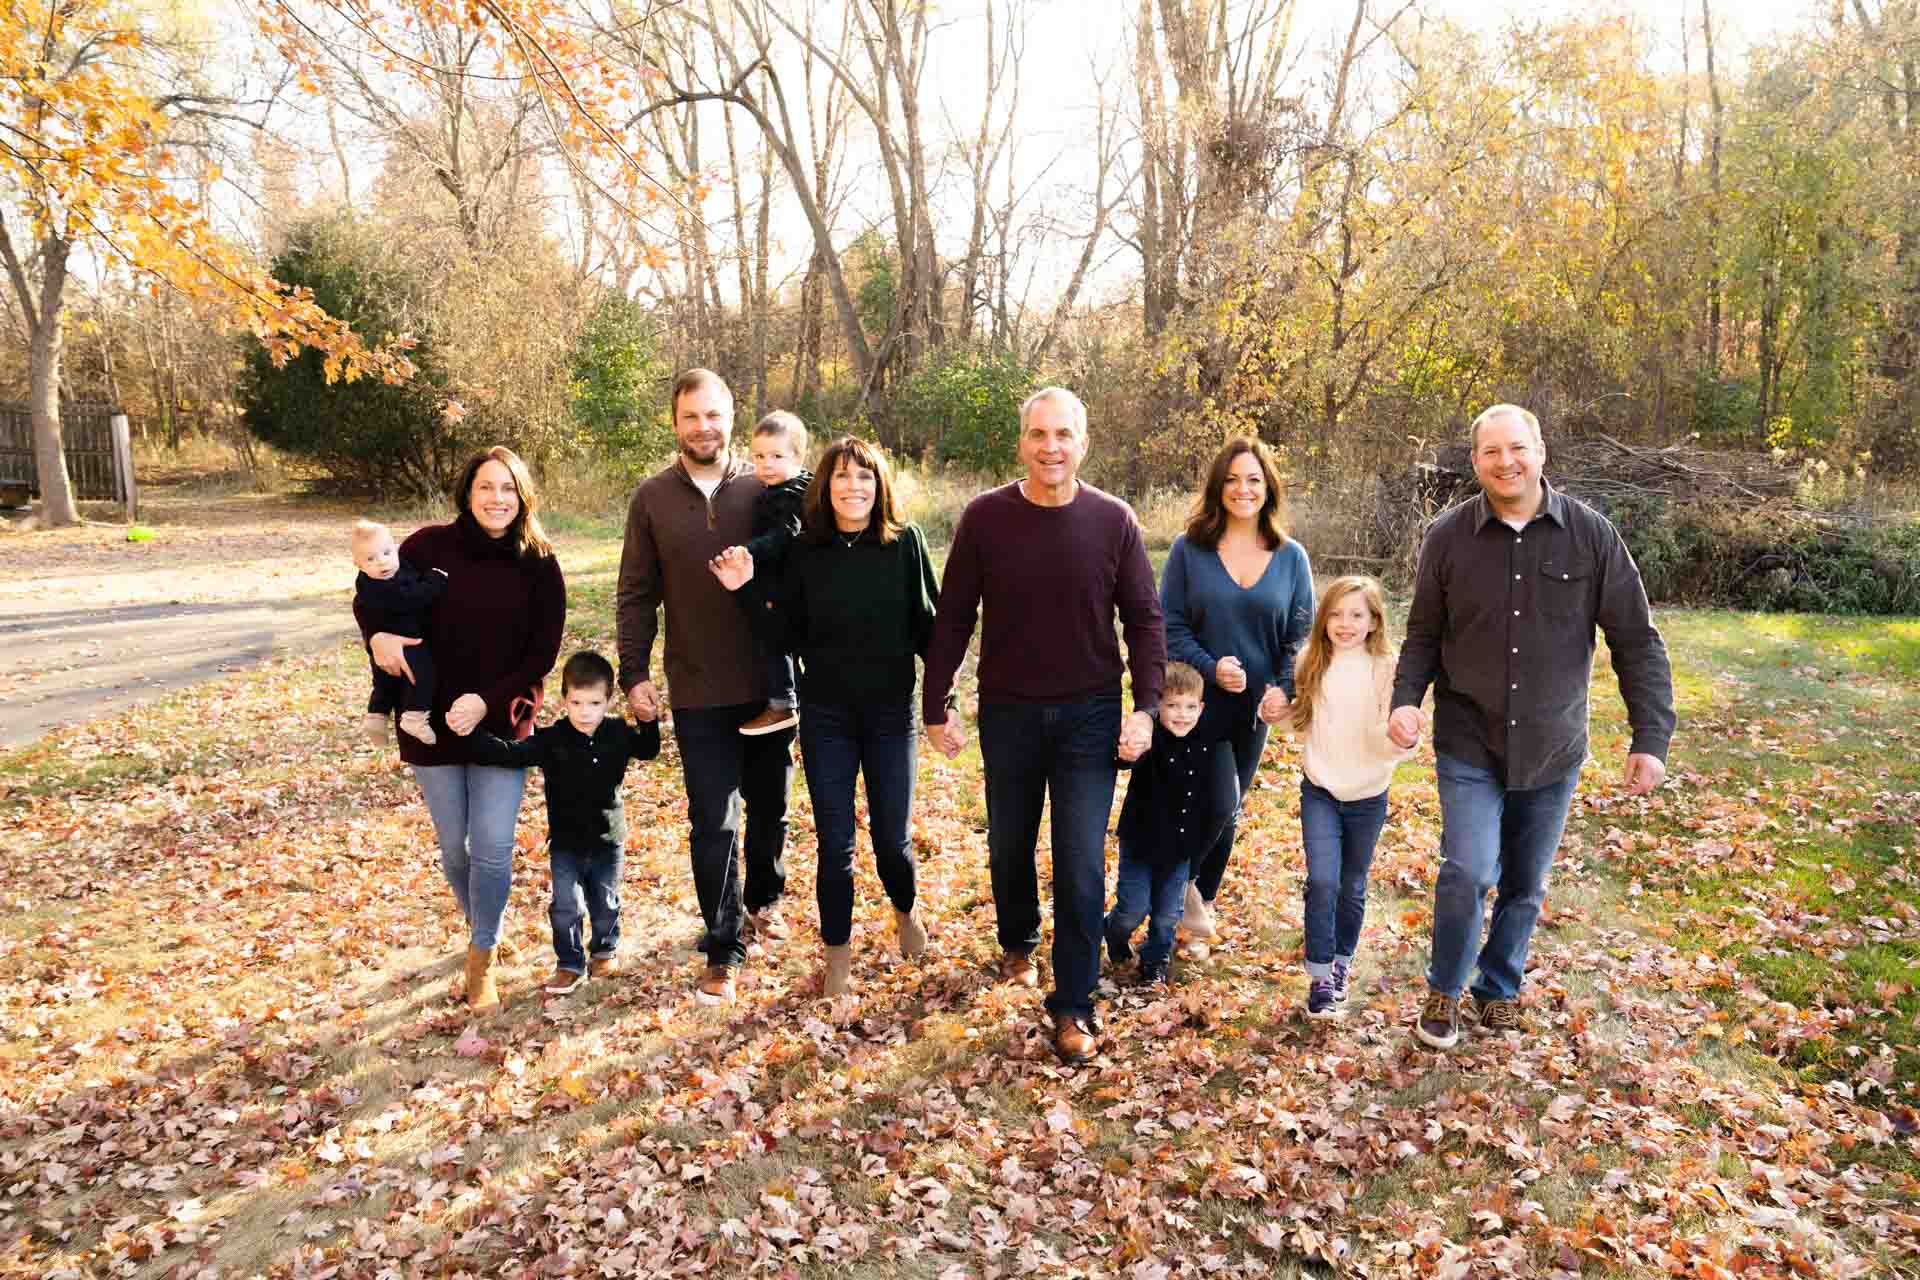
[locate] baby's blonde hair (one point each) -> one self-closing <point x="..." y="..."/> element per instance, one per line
<point x="365" y="531"/>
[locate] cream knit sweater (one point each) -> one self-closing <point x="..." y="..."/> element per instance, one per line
<point x="1347" y="751"/>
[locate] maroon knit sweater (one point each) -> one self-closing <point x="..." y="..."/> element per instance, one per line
<point x="1049" y="581"/>
<point x="496" y="632"/>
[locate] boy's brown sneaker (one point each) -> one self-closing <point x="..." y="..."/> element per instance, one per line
<point x="603" y="967"/>
<point x="1497" y="1017"/>
<point x="1017" y="967"/>
<point x="772" y="720"/>
<point x="715" y="985"/>
<point x="564" y="982"/>
<point x="1439" y="1025"/>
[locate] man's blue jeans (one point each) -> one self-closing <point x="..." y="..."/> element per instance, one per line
<point x="838" y="743"/>
<point x="585" y="884"/>
<point x="1491" y="838"/>
<point x="733" y="781"/>
<point x="1062" y="750"/>
<point x="1339" y="836"/>
<point x="474" y="808"/>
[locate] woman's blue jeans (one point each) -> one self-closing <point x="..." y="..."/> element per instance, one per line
<point x="474" y="808"/>
<point x="838" y="743"/>
<point x="1339" y="836"/>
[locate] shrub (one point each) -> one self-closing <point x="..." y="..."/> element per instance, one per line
<point x="1771" y="557"/>
<point x="965" y="406"/>
<point x="367" y="435"/>
<point x="614" y="383"/>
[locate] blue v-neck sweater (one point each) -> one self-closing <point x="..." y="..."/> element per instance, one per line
<point x="1210" y="616"/>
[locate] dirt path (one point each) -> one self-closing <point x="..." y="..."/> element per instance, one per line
<point x="91" y="623"/>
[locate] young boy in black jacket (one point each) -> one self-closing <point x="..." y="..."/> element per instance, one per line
<point x="779" y="460"/>
<point x="1182" y="790"/>
<point x="585" y="756"/>
<point x="395" y="596"/>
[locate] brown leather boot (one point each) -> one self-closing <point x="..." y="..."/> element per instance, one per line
<point x="481" y="993"/>
<point x="1017" y="967"/>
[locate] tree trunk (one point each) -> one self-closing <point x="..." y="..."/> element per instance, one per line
<point x="1713" y="207"/>
<point x="49" y="340"/>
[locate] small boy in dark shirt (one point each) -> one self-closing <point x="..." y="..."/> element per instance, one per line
<point x="1182" y="790"/>
<point x="395" y="597"/>
<point x="585" y="757"/>
<point x="779" y="460"/>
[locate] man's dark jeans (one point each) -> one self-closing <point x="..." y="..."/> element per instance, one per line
<point x="838" y="743"/>
<point x="725" y="772"/>
<point x="1064" y="750"/>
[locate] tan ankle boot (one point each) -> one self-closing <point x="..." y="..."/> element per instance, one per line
<point x="839" y="979"/>
<point x="481" y="993"/>
<point x="913" y="935"/>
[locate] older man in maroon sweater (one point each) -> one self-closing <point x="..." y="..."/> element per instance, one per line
<point x="1050" y="560"/>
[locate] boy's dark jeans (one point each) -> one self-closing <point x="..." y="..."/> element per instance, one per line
<point x="1062" y="751"/>
<point x="391" y="692"/>
<point x="1144" y="887"/>
<point x="734" y="781"/>
<point x="585" y="884"/>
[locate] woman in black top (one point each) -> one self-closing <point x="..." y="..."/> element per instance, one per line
<point x="854" y="603"/>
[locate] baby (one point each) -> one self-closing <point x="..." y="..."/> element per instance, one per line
<point x="779" y="461"/>
<point x="396" y="596"/>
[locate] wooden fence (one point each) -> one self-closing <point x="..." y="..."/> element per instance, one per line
<point x="93" y="462"/>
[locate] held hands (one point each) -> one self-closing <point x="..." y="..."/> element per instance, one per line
<point x="734" y="567"/>
<point x="1644" y="773"/>
<point x="390" y="653"/>
<point x="644" y="701"/>
<point x="948" y="738"/>
<point x="1230" y="675"/>
<point x="467" y="711"/>
<point x="1405" y="726"/>
<point x="1136" y="735"/>
<point x="1274" y="706"/>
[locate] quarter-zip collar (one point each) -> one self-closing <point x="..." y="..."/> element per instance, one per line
<point x="731" y="472"/>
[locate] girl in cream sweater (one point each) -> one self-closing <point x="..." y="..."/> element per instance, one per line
<point x="1343" y="690"/>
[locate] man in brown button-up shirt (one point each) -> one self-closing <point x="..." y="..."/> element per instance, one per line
<point x="1510" y="589"/>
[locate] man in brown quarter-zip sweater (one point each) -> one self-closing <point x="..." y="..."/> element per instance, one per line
<point x="679" y="520"/>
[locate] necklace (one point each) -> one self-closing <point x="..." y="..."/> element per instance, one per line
<point x="849" y="539"/>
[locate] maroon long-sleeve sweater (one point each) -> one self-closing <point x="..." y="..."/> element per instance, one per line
<point x="1048" y="581"/>
<point x="496" y="632"/>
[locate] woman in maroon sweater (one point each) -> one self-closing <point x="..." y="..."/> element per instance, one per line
<point x="494" y="634"/>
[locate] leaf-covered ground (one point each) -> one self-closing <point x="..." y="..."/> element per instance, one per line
<point x="230" y="1042"/>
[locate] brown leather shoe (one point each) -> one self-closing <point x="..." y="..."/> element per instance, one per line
<point x="563" y="982"/>
<point x="1073" y="1039"/>
<point x="1017" y="967"/>
<point x="603" y="967"/>
<point x="715" y="985"/>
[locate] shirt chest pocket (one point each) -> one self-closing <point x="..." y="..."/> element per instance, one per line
<point x="1565" y="585"/>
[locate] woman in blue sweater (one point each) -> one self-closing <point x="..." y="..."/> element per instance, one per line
<point x="1237" y="593"/>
